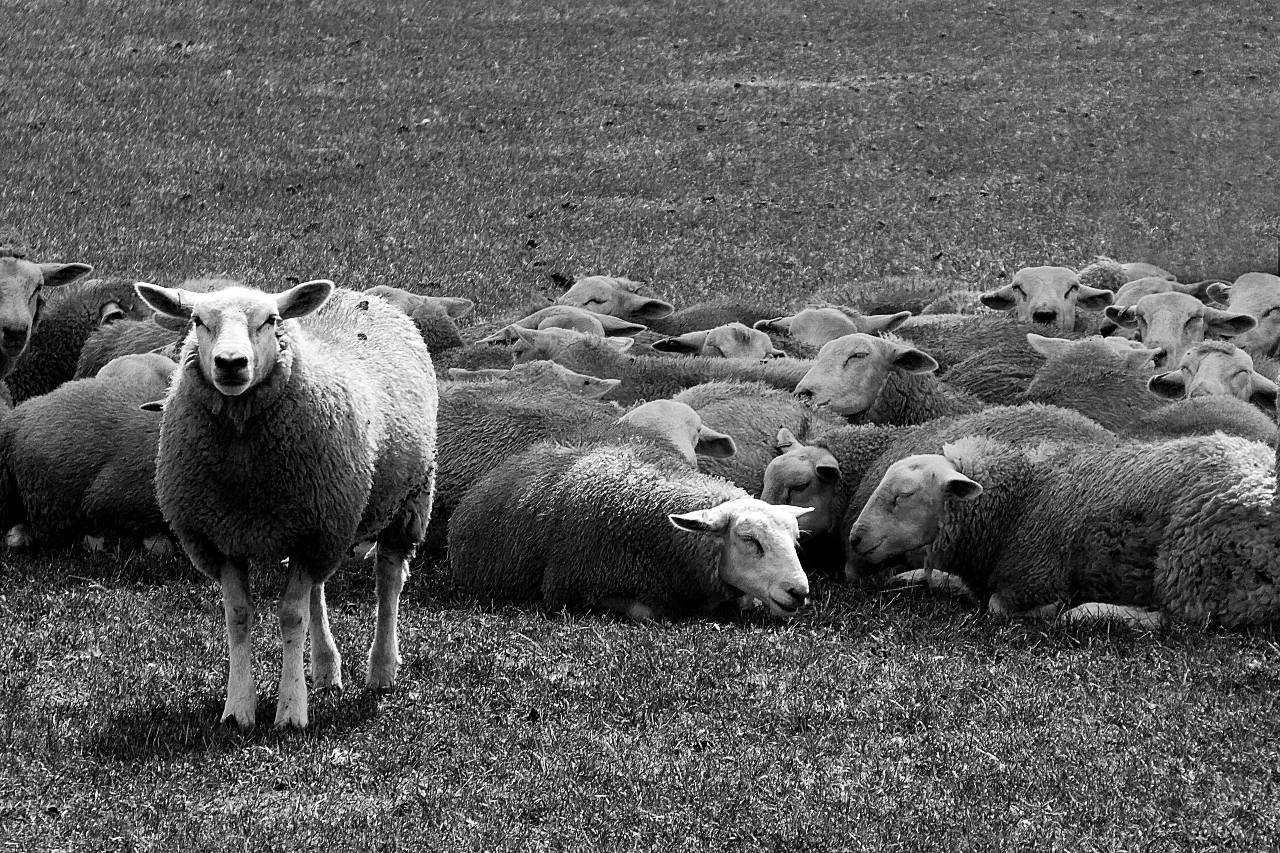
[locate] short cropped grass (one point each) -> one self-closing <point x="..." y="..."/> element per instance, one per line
<point x="869" y="152"/>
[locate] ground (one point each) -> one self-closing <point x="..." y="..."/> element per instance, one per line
<point x="872" y="153"/>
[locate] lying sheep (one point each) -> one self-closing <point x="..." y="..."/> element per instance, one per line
<point x="80" y="460"/>
<point x="1103" y="273"/>
<point x="435" y="316"/>
<point x="22" y="305"/>
<point x="1034" y="532"/>
<point x="1172" y="322"/>
<point x="962" y="301"/>
<point x="1050" y="296"/>
<point x="541" y="373"/>
<point x="565" y="317"/>
<point x="950" y="339"/>
<point x="1129" y="294"/>
<point x="656" y="377"/>
<point x="805" y="475"/>
<point x="298" y="424"/>
<point x="732" y="340"/>
<point x="1216" y="368"/>
<point x="816" y="326"/>
<point x="1256" y="294"/>
<point x="880" y="380"/>
<point x="125" y="337"/>
<point x="619" y="297"/>
<point x="662" y="541"/>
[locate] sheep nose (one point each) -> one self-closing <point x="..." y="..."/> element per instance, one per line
<point x="855" y="539"/>
<point x="798" y="595"/>
<point x="805" y="395"/>
<point x="13" y="337"/>
<point x="231" y="363"/>
<point x="1045" y="317"/>
<point x="1161" y="358"/>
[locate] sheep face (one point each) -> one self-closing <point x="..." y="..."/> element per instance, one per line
<point x="1173" y="322"/>
<point x="758" y="550"/>
<point x="1258" y="295"/>
<point x="804" y="476"/>
<point x="1047" y="295"/>
<point x="237" y="331"/>
<point x="20" y="284"/>
<point x="414" y="303"/>
<point x="1215" y="368"/>
<point x="683" y="427"/>
<point x="535" y="344"/>
<point x="849" y="372"/>
<point x="816" y="327"/>
<point x="906" y="507"/>
<point x="615" y="296"/>
<point x="732" y="340"/>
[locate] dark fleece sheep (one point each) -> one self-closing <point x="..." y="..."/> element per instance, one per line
<point x="591" y="527"/>
<point x="80" y="460"/>
<point x="298" y="424"/>
<point x="124" y="337"/>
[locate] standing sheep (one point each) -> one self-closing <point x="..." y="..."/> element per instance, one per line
<point x="298" y="424"/>
<point x="625" y="528"/>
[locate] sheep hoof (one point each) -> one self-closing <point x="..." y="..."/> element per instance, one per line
<point x="326" y="677"/>
<point x="19" y="537"/>
<point x="915" y="577"/>
<point x="239" y="713"/>
<point x="382" y="674"/>
<point x="95" y="544"/>
<point x="159" y="546"/>
<point x="295" y="717"/>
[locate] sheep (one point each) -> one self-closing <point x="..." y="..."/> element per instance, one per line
<point x="732" y="340"/>
<point x="541" y="373"/>
<point x="619" y="297"/>
<point x="1256" y="294"/>
<point x="1185" y="527"/>
<point x="124" y="337"/>
<point x="880" y="380"/>
<point x="434" y="316"/>
<point x="708" y="315"/>
<point x="1206" y="416"/>
<point x="806" y="475"/>
<point x="623" y="528"/>
<point x="1102" y="273"/>
<point x="565" y="317"/>
<point x="961" y="301"/>
<point x="950" y="339"/>
<point x="815" y="326"/>
<point x="298" y="424"/>
<point x="1172" y="322"/>
<point x="80" y="459"/>
<point x="1051" y="296"/>
<point x="22" y="304"/>
<point x="648" y="378"/>
<point x="1216" y="368"/>
<point x="1132" y="291"/>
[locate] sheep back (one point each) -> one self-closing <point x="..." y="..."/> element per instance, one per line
<point x="123" y="337"/>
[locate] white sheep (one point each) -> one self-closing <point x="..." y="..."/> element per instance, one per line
<point x="1258" y="295"/>
<point x="299" y="423"/>
<point x="1051" y="296"/>
<point x="815" y="326"/>
<point x="565" y="317"/>
<point x="22" y="302"/>
<point x="1171" y="322"/>
<point x="1216" y="368"/>
<point x="540" y="373"/>
<point x="732" y="340"/>
<point x="619" y="297"/>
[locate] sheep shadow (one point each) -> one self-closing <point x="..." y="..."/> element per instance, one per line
<point x="166" y="731"/>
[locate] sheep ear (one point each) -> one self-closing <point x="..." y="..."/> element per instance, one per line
<point x="505" y="335"/>
<point x="1139" y="357"/>
<point x="690" y="342"/>
<point x="957" y="485"/>
<point x="455" y="306"/>
<point x="594" y="389"/>
<point x="794" y="511"/>
<point x="152" y="406"/>
<point x="1218" y="291"/>
<point x="620" y="344"/>
<point x="1167" y="385"/>
<point x="786" y="441"/>
<point x="1264" y="391"/>
<point x="55" y="275"/>
<point x="303" y="299"/>
<point x="777" y="324"/>
<point x="912" y="360"/>
<point x="109" y="313"/>
<point x="879" y="324"/>
<point x="1047" y="347"/>
<point x="165" y="301"/>
<point x="653" y="309"/>
<point x="1093" y="298"/>
<point x="999" y="300"/>
<point x="403" y="300"/>
<point x="530" y="336"/>
<point x="1123" y="315"/>
<point x="702" y="521"/>
<point x="828" y="472"/>
<point x="712" y="443"/>
<point x="1228" y="324"/>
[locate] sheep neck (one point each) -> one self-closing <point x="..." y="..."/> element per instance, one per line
<point x="238" y="411"/>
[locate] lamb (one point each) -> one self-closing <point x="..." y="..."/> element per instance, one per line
<point x="298" y="424"/>
<point x="544" y="374"/>
<point x="880" y="380"/>
<point x="1216" y="368"/>
<point x="1172" y="322"/>
<point x="816" y="326"/>
<point x="619" y="297"/>
<point x="1256" y="294"/>
<point x="1052" y="296"/>
<point x="649" y="378"/>
<point x="732" y="340"/>
<point x="80" y="459"/>
<point x="1034" y="532"/>
<point x="124" y="337"/>
<point x="662" y="541"/>
<point x="22" y="303"/>
<point x="434" y="316"/>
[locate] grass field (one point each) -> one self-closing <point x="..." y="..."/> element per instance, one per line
<point x="746" y="149"/>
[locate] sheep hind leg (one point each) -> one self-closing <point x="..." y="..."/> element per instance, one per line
<point x="326" y="662"/>
<point x="1134" y="617"/>
<point x="295" y="608"/>
<point x="242" y="689"/>
<point x="384" y="654"/>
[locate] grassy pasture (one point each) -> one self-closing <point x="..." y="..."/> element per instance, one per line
<point x="867" y="152"/>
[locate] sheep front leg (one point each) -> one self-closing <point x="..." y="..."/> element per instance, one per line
<point x="326" y="662"/>
<point x="237" y="610"/>
<point x="1134" y="617"/>
<point x="295" y="607"/>
<point x="384" y="655"/>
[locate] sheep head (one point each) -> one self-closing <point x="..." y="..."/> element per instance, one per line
<point x="758" y="550"/>
<point x="905" y="509"/>
<point x="1215" y="368"/>
<point x="21" y="282"/>
<point x="849" y="372"/>
<point x="534" y="344"/>
<point x="683" y="427"/>
<point x="615" y="296"/>
<point x="1258" y="295"/>
<point x="237" y="331"/>
<point x="815" y="327"/>
<point x="1047" y="295"/>
<point x="803" y="476"/>
<point x="1173" y="322"/>
<point x="732" y="340"/>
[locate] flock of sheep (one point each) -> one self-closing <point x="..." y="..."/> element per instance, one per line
<point x="1076" y="445"/>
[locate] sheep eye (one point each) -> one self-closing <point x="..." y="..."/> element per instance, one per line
<point x="756" y="542"/>
<point x="854" y="355"/>
<point x="270" y="321"/>
<point x="1017" y="288"/>
<point x="197" y="322"/>
<point x="1072" y="289"/>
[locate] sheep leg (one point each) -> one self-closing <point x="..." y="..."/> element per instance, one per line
<point x="295" y="608"/>
<point x="326" y="662"/>
<point x="237" y="610"/>
<point x="1134" y="617"/>
<point x="384" y="655"/>
<point x="997" y="606"/>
